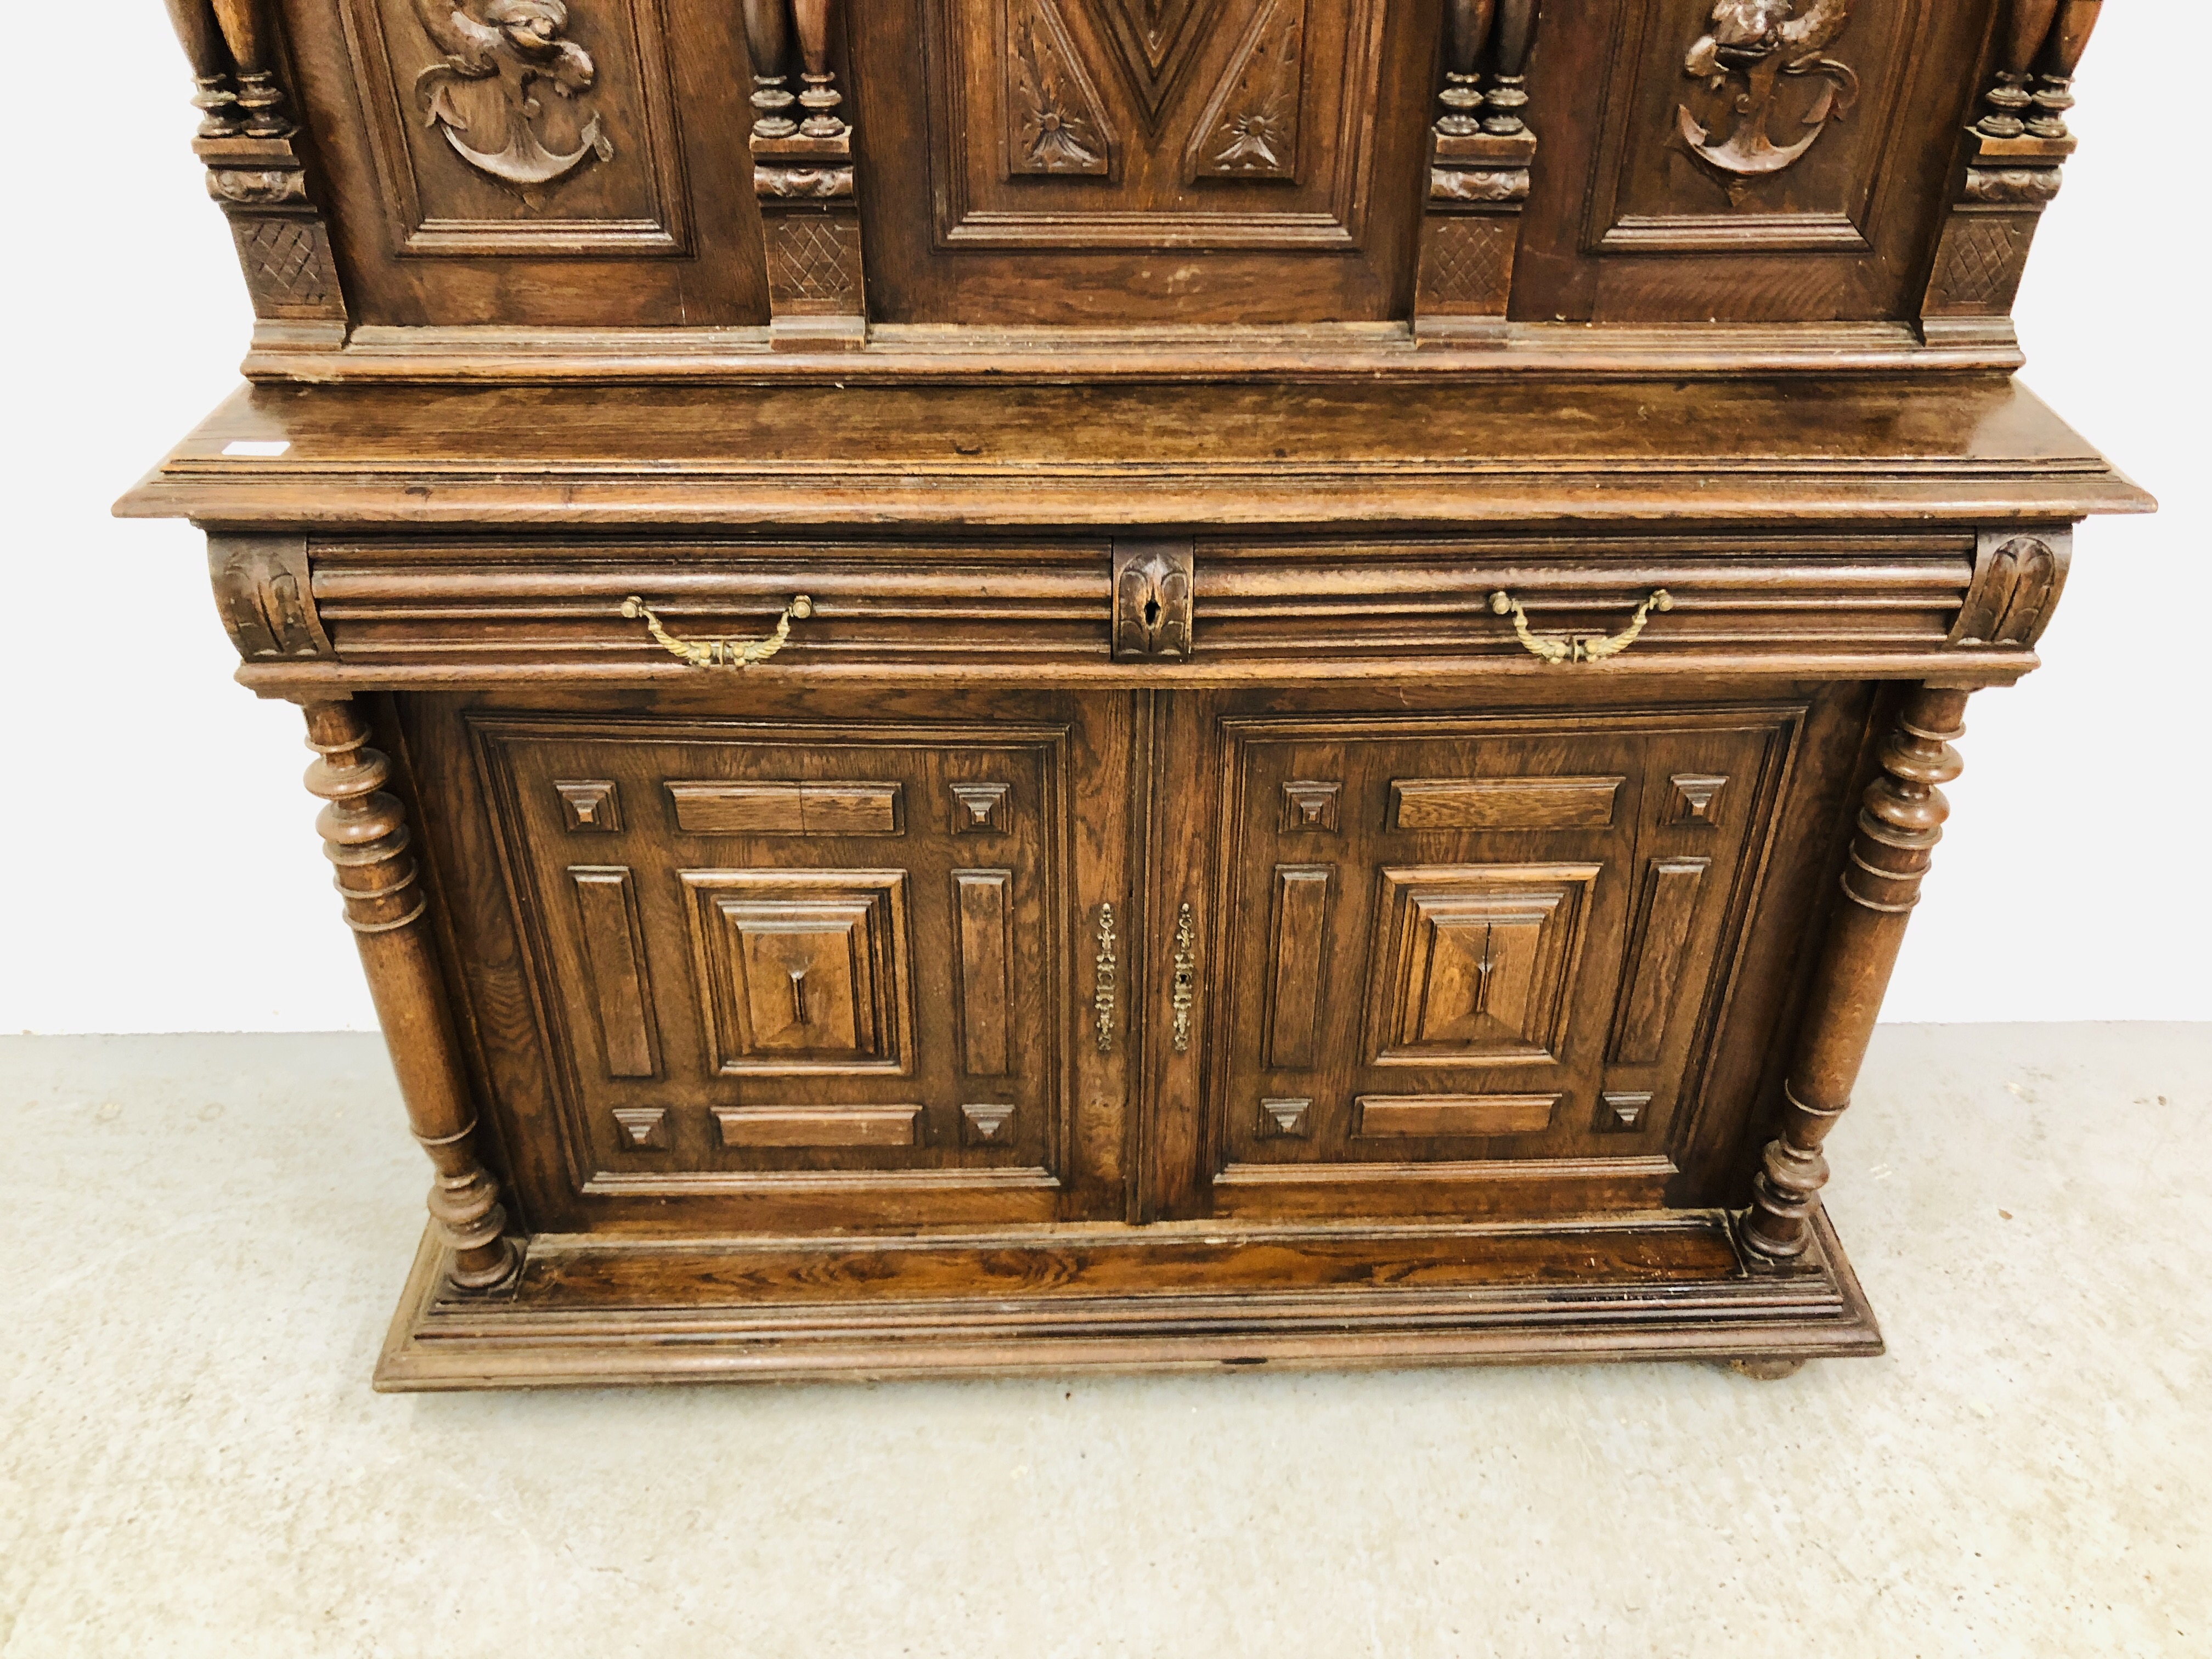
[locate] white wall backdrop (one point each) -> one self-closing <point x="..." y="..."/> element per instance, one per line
<point x="162" y="874"/>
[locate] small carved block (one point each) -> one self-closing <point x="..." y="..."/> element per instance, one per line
<point x="2017" y="581"/>
<point x="589" y="805"/>
<point x="1695" y="798"/>
<point x="1311" y="806"/>
<point x="1281" y="1118"/>
<point x="644" y="1129"/>
<point x="263" y="587"/>
<point x="985" y="1124"/>
<point x="1152" y="600"/>
<point x="1622" y="1109"/>
<point x="980" y="809"/>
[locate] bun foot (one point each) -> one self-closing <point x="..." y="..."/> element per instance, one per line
<point x="1766" y="1369"/>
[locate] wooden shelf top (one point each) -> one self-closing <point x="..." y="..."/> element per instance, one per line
<point x="1954" y="448"/>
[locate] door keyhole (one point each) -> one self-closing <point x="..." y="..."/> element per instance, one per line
<point x="1152" y="613"/>
<point x="798" y="995"/>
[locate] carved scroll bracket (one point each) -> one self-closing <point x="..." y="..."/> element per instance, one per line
<point x="1480" y="152"/>
<point x="804" y="178"/>
<point x="262" y="587"/>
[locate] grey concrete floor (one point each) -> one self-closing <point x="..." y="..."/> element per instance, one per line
<point x="209" y="1234"/>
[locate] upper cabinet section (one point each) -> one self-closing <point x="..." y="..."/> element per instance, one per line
<point x="1140" y="161"/>
<point x="781" y="183"/>
<point x="534" y="162"/>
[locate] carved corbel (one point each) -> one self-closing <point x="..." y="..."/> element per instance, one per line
<point x="803" y="178"/>
<point x="254" y="169"/>
<point x="2018" y="577"/>
<point x="1481" y="151"/>
<point x="262" y="589"/>
<point x="2014" y="153"/>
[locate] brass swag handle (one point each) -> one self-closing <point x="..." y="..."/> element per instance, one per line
<point x="1565" y="647"/>
<point x="721" y="651"/>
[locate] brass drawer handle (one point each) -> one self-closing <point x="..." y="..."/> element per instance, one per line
<point x="1568" y="648"/>
<point x="722" y="651"/>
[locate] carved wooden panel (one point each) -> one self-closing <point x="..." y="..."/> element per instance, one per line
<point x="802" y="971"/>
<point x="1152" y="124"/>
<point x="522" y="126"/>
<point x="1660" y="933"/>
<point x="614" y="951"/>
<point x="786" y="925"/>
<point x="1294" y="988"/>
<point x="1472" y="962"/>
<point x="1477" y="969"/>
<point x="1733" y="127"/>
<point x="984" y="905"/>
<point x="1694" y="798"/>
<point x="857" y="808"/>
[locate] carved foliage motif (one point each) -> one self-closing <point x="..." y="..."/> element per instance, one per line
<point x="1054" y="121"/>
<point x="1764" y="62"/>
<point x="1250" y="129"/>
<point x="507" y="93"/>
<point x="2017" y="580"/>
<point x="261" y="584"/>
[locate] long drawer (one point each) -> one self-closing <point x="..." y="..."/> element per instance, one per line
<point x="1196" y="609"/>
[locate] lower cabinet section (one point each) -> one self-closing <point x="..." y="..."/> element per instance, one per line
<point x="746" y="963"/>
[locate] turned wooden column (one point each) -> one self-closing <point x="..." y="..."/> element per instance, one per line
<point x="1900" y="820"/>
<point x="364" y="831"/>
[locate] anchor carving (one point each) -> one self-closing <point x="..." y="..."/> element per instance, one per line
<point x="484" y="95"/>
<point x="1762" y="48"/>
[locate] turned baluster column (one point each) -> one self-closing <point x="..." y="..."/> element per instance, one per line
<point x="364" y="832"/>
<point x="1900" y="820"/>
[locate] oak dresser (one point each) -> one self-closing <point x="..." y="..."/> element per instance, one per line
<point x="1054" y="685"/>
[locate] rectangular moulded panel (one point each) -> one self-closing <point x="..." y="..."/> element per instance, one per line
<point x="817" y="1126"/>
<point x="614" y="949"/>
<point x="1301" y="925"/>
<point x="1664" y="920"/>
<point x="1453" y="1114"/>
<point x="983" y="906"/>
<point x="1502" y="803"/>
<point x="803" y="970"/>
<point x="1473" y="964"/>
<point x="786" y="809"/>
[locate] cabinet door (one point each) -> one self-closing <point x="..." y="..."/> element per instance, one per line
<point x="829" y="967"/>
<point x="1455" y="963"/>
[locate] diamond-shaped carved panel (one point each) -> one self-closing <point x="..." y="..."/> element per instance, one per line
<point x="802" y="971"/>
<point x="1473" y="964"/>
